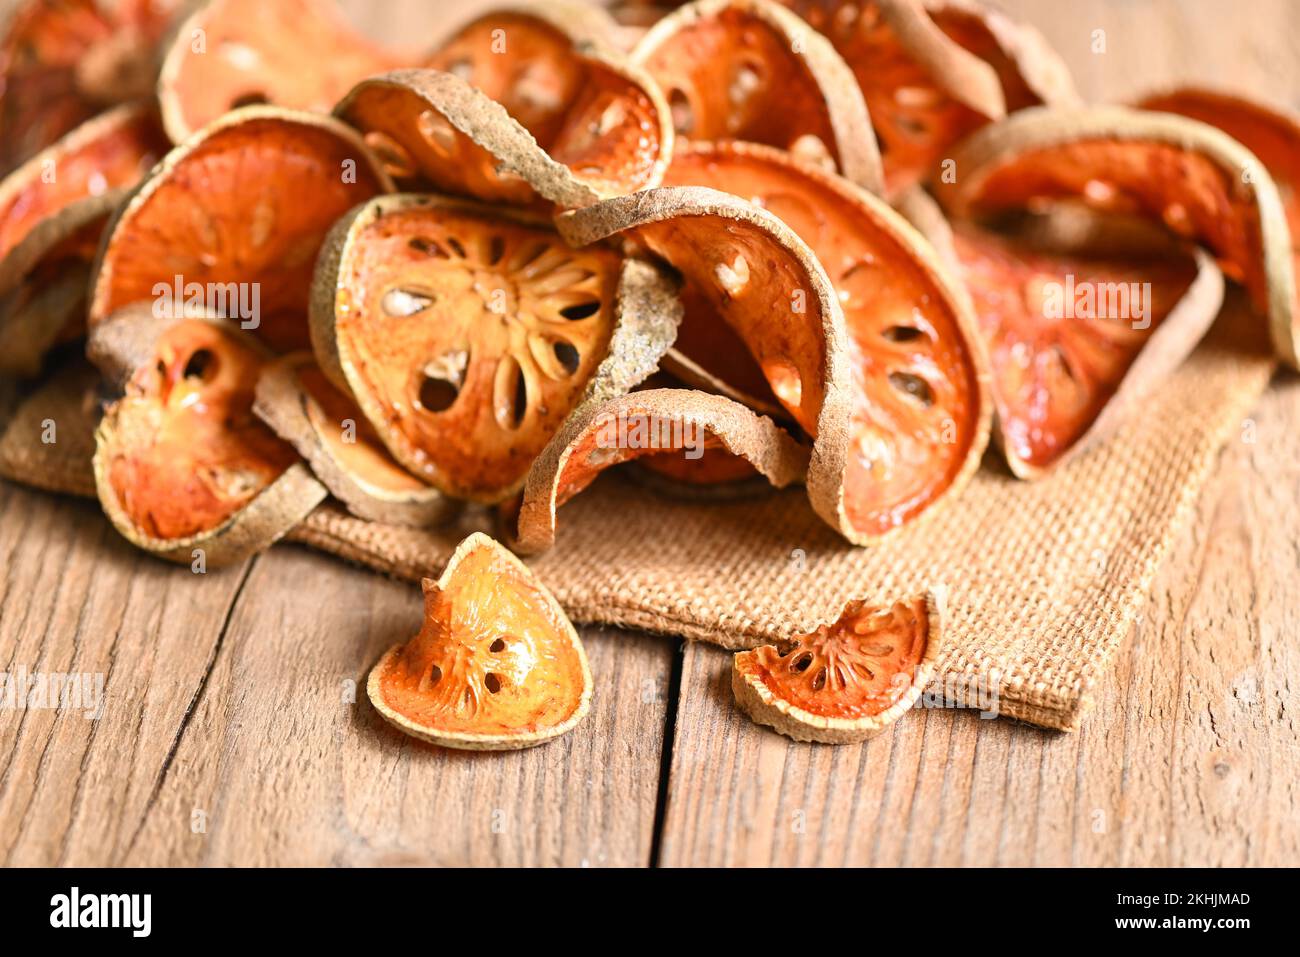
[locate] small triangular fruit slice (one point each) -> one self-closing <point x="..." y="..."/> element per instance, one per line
<point x="752" y="70"/>
<point x="1273" y="135"/>
<point x="223" y="219"/>
<point x="1201" y="184"/>
<point x="306" y="410"/>
<point x="52" y="211"/>
<point x="496" y="666"/>
<point x="921" y="407"/>
<point x="467" y="334"/>
<point x="648" y="423"/>
<point x="299" y="54"/>
<point x="554" y="68"/>
<point x="183" y="468"/>
<point x="847" y="681"/>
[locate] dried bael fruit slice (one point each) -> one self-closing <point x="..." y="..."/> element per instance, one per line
<point x="299" y="54"/>
<point x="467" y="334"/>
<point x="496" y="666"/>
<point x="306" y="410"/>
<point x="554" y="68"/>
<point x="919" y="382"/>
<point x="1271" y="134"/>
<point x="648" y="424"/>
<point x="762" y="280"/>
<point x="50" y="439"/>
<point x="848" y="681"/>
<point x="752" y="70"/>
<point x="182" y="465"/>
<point x="932" y="73"/>
<point x="62" y="61"/>
<point x="52" y="211"/>
<point x="1195" y="180"/>
<point x="234" y="218"/>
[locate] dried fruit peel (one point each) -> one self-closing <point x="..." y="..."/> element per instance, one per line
<point x="752" y="70"/>
<point x="181" y="464"/>
<point x="496" y="665"/>
<point x="1196" y="180"/>
<point x="847" y="681"/>
<point x="602" y="435"/>
<point x="226" y="208"/>
<point x="298" y="54"/>
<point x="327" y="429"/>
<point x="921" y="403"/>
<point x="530" y="328"/>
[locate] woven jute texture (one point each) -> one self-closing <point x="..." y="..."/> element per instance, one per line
<point x="1045" y="578"/>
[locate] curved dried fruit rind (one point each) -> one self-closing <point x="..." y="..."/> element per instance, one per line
<point x="602" y="435"/>
<point x="182" y="467"/>
<point x="752" y="70"/>
<point x="496" y="665"/>
<point x="919" y="380"/>
<point x="224" y="215"/>
<point x="527" y="329"/>
<point x="69" y="401"/>
<point x="847" y="681"/>
<point x="298" y="54"/>
<point x="1197" y="181"/>
<point x="328" y="430"/>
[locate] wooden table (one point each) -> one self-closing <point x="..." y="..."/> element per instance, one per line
<point x="237" y="731"/>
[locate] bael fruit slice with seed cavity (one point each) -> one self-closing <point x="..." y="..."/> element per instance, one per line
<point x="918" y="380"/>
<point x="1272" y="134"/>
<point x="646" y="424"/>
<point x="752" y="70"/>
<point x="753" y="273"/>
<point x="62" y="61"/>
<point x="845" y="682"/>
<point x="1195" y="180"/>
<point x="554" y="67"/>
<point x="306" y="410"/>
<point x="225" y="215"/>
<point x="496" y="666"/>
<point x="52" y="211"/>
<point x="298" y="54"/>
<point x="182" y="465"/>
<point x="467" y="334"/>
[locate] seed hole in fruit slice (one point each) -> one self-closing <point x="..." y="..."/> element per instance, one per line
<point x="435" y="675"/>
<point x="745" y="82"/>
<point x="492" y="682"/>
<point x="497" y="646"/>
<point x="683" y="114"/>
<point x="427" y="246"/>
<point x="404" y="302"/>
<point x="436" y="129"/>
<point x="456" y="246"/>
<point x="393" y="155"/>
<point x="801" y="662"/>
<point x="912" y="386"/>
<point x="202" y="365"/>
<point x="902" y="334"/>
<point x="582" y="310"/>
<point x="567" y="355"/>
<point x="255" y="98"/>
<point x="510" y="394"/>
<point x="437" y="395"/>
<point x="733" y="276"/>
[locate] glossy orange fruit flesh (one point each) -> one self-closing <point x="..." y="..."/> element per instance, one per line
<point x="495" y="658"/>
<point x="1055" y="364"/>
<point x="471" y="336"/>
<point x="917" y="406"/>
<point x="858" y="667"/>
<point x="187" y="452"/>
<point x="227" y="213"/>
<point x="299" y="54"/>
<point x="715" y="466"/>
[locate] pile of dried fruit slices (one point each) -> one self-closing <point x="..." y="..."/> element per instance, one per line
<point x="731" y="245"/>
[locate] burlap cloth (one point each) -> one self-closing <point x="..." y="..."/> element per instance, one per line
<point x="1045" y="578"/>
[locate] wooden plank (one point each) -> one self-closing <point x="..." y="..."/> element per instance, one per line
<point x="283" y="766"/>
<point x="1192" y="756"/>
<point x="78" y="600"/>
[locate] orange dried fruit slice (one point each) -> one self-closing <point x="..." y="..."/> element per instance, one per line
<point x="224" y="218"/>
<point x="1272" y="134"/>
<point x="1197" y="182"/>
<point x="467" y="333"/>
<point x="182" y="465"/>
<point x="298" y="54"/>
<point x="62" y="61"/>
<point x="844" y="682"/>
<point x="496" y="666"/>
<point x="933" y="72"/>
<point x="554" y="67"/>
<point x="52" y="211"/>
<point x="752" y="70"/>
<point x="647" y="424"/>
<point x="920" y="405"/>
<point x="328" y="430"/>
